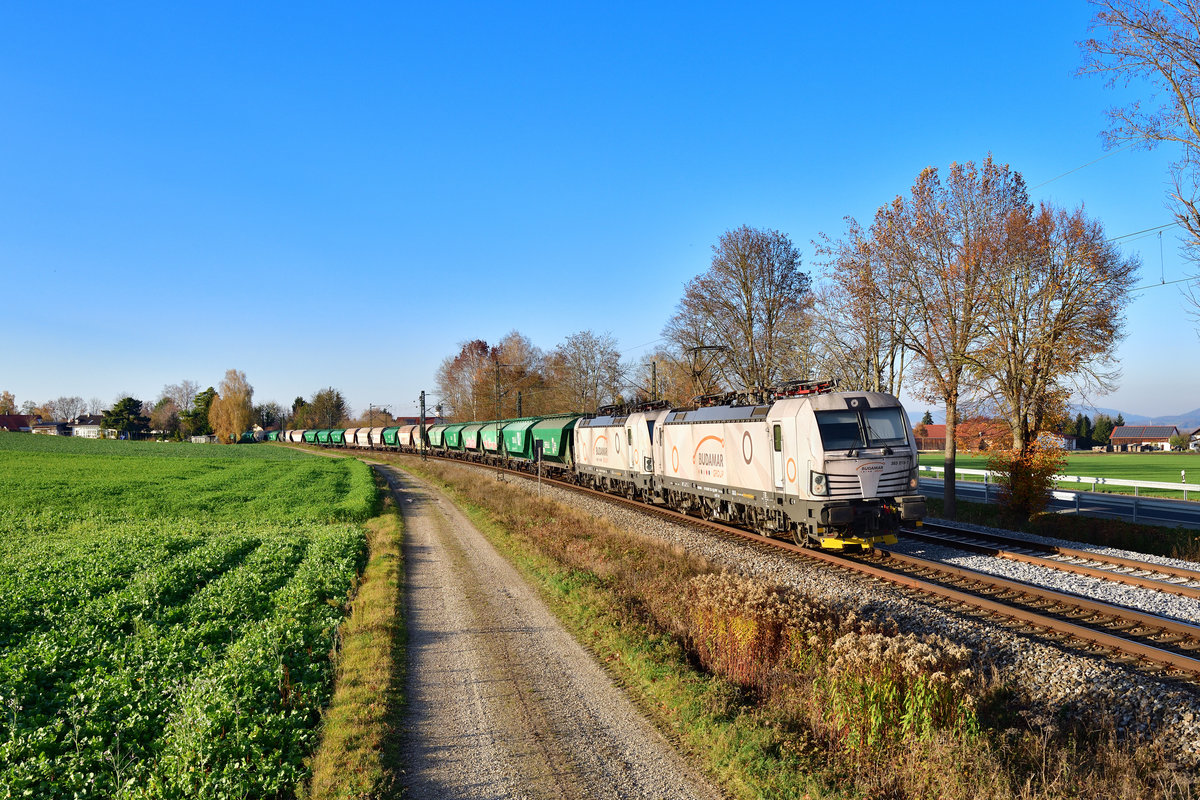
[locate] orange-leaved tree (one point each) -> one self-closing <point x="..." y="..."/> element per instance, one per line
<point x="231" y="410"/>
<point x="1025" y="477"/>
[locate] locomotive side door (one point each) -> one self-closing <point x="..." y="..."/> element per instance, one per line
<point x="777" y="454"/>
<point x="630" y="448"/>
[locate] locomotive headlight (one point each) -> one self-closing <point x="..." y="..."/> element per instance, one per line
<point x="914" y="481"/>
<point x="819" y="486"/>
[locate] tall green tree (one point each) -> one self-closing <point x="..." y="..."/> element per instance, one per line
<point x="126" y="418"/>
<point x="195" y="422"/>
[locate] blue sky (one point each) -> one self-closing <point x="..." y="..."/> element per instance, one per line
<point x="325" y="196"/>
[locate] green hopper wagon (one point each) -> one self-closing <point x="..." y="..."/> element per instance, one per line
<point x="490" y="437"/>
<point x="437" y="436"/>
<point x="452" y="436"/>
<point x="518" y="441"/>
<point x="555" y="434"/>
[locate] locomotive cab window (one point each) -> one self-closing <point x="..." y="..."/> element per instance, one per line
<point x="855" y="430"/>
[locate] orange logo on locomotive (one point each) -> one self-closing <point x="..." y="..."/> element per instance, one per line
<point x="710" y="461"/>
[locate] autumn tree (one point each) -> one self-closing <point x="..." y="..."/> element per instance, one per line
<point x="1054" y="312"/>
<point x="521" y="377"/>
<point x="232" y="409"/>
<point x="751" y="302"/>
<point x="1157" y="43"/>
<point x="585" y="371"/>
<point x="8" y="403"/>
<point x="165" y="416"/>
<point x="945" y="241"/>
<point x="182" y="394"/>
<point x="859" y="311"/>
<point x="69" y="408"/>
<point x="666" y="375"/>
<point x="460" y="378"/>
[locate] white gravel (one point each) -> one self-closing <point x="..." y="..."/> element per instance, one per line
<point x="1184" y="609"/>
<point x="1058" y="680"/>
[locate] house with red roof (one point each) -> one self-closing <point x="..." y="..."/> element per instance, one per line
<point x="1142" y="437"/>
<point x="18" y="422"/>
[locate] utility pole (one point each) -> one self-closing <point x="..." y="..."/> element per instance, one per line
<point x="423" y="456"/>
<point x="519" y="414"/>
<point x="498" y="366"/>
<point x="698" y="368"/>
<point x="654" y="381"/>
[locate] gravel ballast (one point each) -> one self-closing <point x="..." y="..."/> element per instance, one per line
<point x="1060" y="680"/>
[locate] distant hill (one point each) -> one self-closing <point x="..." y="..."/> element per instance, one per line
<point x="1186" y="422"/>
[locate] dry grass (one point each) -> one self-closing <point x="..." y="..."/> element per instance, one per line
<point x="817" y="701"/>
<point x="358" y="728"/>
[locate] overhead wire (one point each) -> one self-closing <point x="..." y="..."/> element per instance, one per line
<point x="1081" y="166"/>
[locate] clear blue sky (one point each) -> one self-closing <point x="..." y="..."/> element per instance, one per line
<point x="338" y="196"/>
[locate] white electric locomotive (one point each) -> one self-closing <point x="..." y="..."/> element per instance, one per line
<point x="830" y="469"/>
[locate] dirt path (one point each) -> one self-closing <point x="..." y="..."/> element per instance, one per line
<point x="502" y="702"/>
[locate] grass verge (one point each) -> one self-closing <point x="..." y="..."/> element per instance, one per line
<point x="775" y="695"/>
<point x="354" y="758"/>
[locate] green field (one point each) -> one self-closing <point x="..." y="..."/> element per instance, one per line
<point x="167" y="614"/>
<point x="1163" y="467"/>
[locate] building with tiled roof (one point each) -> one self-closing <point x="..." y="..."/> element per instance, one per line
<point x="18" y="422"/>
<point x="1135" y="437"/>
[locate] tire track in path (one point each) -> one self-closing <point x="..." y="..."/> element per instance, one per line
<point x="501" y="701"/>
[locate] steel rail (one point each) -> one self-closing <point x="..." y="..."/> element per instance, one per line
<point x="974" y="543"/>
<point x="1071" y="552"/>
<point x="1108" y="641"/>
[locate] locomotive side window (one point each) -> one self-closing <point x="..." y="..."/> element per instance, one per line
<point x="778" y="439"/>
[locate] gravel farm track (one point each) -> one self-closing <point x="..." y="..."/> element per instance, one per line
<point x="1060" y="676"/>
<point x="501" y="701"/>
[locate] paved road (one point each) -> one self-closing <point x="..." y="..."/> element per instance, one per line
<point x="1152" y="511"/>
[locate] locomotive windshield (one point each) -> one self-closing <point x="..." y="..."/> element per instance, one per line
<point x="855" y="430"/>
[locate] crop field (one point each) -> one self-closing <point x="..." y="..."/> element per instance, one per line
<point x="168" y="613"/>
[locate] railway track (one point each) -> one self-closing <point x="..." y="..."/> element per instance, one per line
<point x="1143" y="574"/>
<point x="1134" y="637"/>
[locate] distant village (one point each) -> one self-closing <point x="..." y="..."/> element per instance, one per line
<point x="974" y="435"/>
